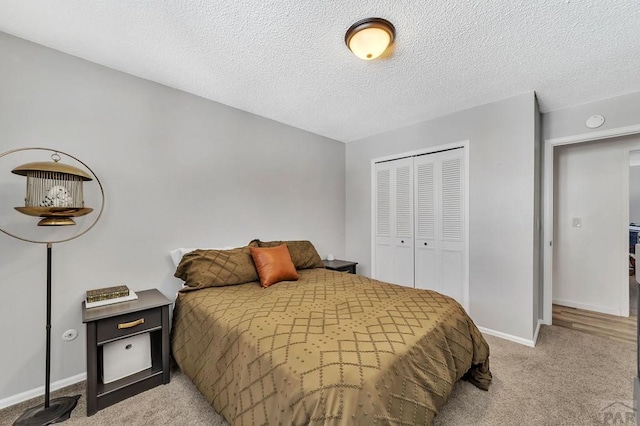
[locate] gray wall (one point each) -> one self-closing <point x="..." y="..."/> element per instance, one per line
<point x="178" y="171"/>
<point x="619" y="111"/>
<point x="501" y="136"/>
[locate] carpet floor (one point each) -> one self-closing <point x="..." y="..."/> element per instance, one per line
<point x="569" y="378"/>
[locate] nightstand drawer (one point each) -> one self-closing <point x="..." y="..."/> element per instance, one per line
<point x="123" y="325"/>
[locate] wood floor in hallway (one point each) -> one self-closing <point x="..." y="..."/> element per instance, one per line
<point x="612" y="327"/>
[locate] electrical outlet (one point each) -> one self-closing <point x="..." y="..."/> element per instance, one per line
<point x="69" y="335"/>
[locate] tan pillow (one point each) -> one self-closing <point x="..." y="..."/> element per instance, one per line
<point x="303" y="253"/>
<point x="217" y="268"/>
<point x="273" y="264"/>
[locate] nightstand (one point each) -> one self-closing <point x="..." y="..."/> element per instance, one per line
<point x="149" y="314"/>
<point x="341" y="265"/>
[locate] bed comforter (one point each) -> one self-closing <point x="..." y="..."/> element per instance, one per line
<point x="329" y="349"/>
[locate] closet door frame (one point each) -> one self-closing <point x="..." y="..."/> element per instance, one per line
<point x="429" y="150"/>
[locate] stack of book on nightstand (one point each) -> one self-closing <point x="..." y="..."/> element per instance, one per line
<point x="109" y="295"/>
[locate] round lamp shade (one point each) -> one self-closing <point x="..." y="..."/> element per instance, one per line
<point x="52" y="167"/>
<point x="54" y="191"/>
<point x="370" y="38"/>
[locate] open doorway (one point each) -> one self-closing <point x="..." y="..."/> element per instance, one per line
<point x="592" y="286"/>
<point x="634" y="228"/>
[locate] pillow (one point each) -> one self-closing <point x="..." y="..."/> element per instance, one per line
<point x="303" y="253"/>
<point x="217" y="268"/>
<point x="176" y="255"/>
<point x="274" y="264"/>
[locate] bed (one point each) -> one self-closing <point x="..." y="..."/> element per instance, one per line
<point x="330" y="349"/>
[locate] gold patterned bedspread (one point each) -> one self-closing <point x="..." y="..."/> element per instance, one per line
<point x="329" y="349"/>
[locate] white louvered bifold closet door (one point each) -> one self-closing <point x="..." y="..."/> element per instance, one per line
<point x="383" y="266"/>
<point x="394" y="222"/>
<point x="439" y="211"/>
<point x="426" y="253"/>
<point x="403" y="238"/>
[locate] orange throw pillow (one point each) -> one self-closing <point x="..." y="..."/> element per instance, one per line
<point x="274" y="264"/>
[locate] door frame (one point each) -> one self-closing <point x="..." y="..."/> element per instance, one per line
<point x="548" y="226"/>
<point x="429" y="150"/>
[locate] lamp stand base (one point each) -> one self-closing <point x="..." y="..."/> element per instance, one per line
<point x="59" y="410"/>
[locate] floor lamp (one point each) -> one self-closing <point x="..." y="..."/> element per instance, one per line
<point x="55" y="195"/>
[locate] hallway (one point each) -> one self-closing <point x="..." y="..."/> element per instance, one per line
<point x="616" y="328"/>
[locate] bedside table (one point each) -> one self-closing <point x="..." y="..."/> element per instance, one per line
<point x="149" y="314"/>
<point x="340" y="265"/>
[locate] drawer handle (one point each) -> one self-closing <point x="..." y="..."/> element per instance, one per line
<point x="130" y="324"/>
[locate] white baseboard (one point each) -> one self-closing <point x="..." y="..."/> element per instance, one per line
<point x="505" y="336"/>
<point x="39" y="391"/>
<point x="585" y="306"/>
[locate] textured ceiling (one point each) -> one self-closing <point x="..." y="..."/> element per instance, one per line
<point x="286" y="59"/>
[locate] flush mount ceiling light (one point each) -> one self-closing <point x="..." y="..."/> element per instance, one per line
<point x="369" y="38"/>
